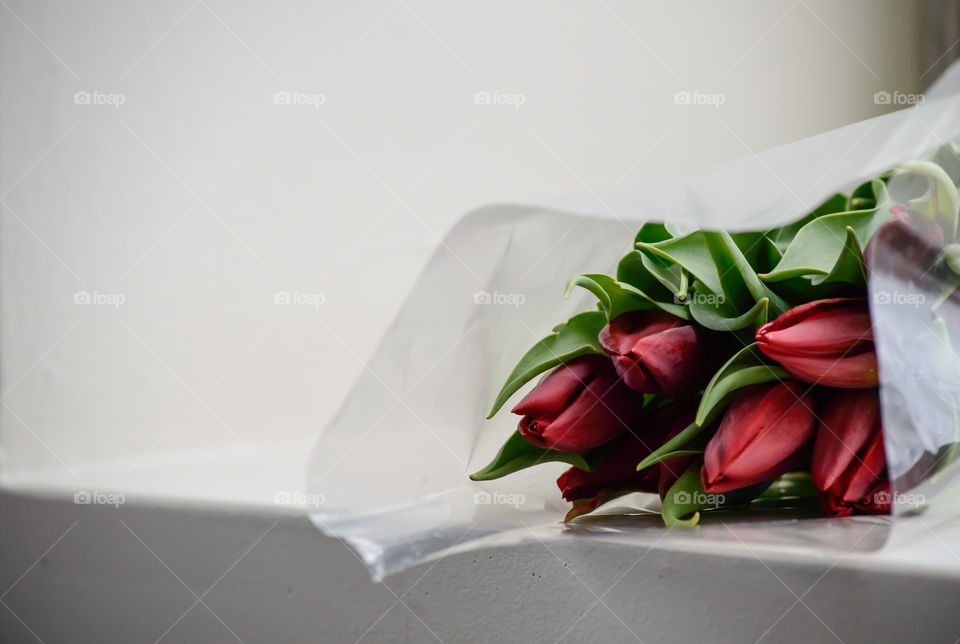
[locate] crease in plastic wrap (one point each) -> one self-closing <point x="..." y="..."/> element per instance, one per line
<point x="392" y="466"/>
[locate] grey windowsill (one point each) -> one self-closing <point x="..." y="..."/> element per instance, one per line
<point x="175" y="572"/>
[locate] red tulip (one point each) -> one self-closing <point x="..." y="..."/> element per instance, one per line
<point x="848" y="464"/>
<point x="759" y="438"/>
<point x="654" y="351"/>
<point x="580" y="405"/>
<point x="826" y="342"/>
<point x="618" y="471"/>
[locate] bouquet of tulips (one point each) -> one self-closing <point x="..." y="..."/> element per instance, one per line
<point x="726" y="370"/>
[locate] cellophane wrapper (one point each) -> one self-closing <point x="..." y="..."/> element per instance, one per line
<point x="391" y="468"/>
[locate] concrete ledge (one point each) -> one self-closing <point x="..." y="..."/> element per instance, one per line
<point x="85" y="573"/>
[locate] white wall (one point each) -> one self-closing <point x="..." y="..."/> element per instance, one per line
<point x="199" y="197"/>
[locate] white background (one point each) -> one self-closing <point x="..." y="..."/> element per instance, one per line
<point x="200" y="198"/>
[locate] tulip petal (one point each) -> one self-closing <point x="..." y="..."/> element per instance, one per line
<point x="853" y="371"/>
<point x="863" y="474"/>
<point x="563" y="383"/>
<point x="828" y="342"/>
<point x="759" y="435"/>
<point x="847" y="421"/>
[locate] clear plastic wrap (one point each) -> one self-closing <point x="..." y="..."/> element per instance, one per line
<point x="392" y="466"/>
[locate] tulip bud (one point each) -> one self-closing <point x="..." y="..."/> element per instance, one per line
<point x="848" y="464"/>
<point x="580" y="405"/>
<point x="760" y="436"/>
<point x="826" y="342"/>
<point x="654" y="351"/>
<point x="618" y="470"/>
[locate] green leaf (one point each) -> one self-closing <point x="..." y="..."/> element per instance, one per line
<point x="747" y="367"/>
<point x="714" y="315"/>
<point x="818" y="247"/>
<point x="689" y="251"/>
<point x="671" y="277"/>
<point x="518" y="453"/>
<point x="617" y="298"/>
<point x="863" y="197"/>
<point x="652" y="232"/>
<point x="718" y="263"/>
<point x="647" y="462"/>
<point x="849" y="267"/>
<point x="569" y="340"/>
<point x="759" y="249"/>
<point x="668" y="449"/>
<point x="784" y="235"/>
<point x="940" y="201"/>
<point x="687" y="499"/>
<point x="633" y="270"/>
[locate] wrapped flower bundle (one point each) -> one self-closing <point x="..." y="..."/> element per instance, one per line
<point x="721" y="368"/>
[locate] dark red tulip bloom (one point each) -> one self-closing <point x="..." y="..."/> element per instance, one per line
<point x="848" y="464"/>
<point x="760" y="436"/>
<point x="618" y="471"/>
<point x="827" y="342"/>
<point x="580" y="405"/>
<point x="654" y="351"/>
<point x="671" y="469"/>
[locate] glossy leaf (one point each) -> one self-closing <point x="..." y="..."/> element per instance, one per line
<point x="784" y="235"/>
<point x="518" y="453"/>
<point x="687" y="498"/>
<point x="817" y="248"/>
<point x="668" y="449"/>
<point x="569" y="340"/>
<point x="849" y="267"/>
<point x="617" y="298"/>
<point x="716" y="316"/>
<point x="940" y="201"/>
<point x="689" y="251"/>
<point x="633" y="270"/>
<point x="747" y="367"/>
